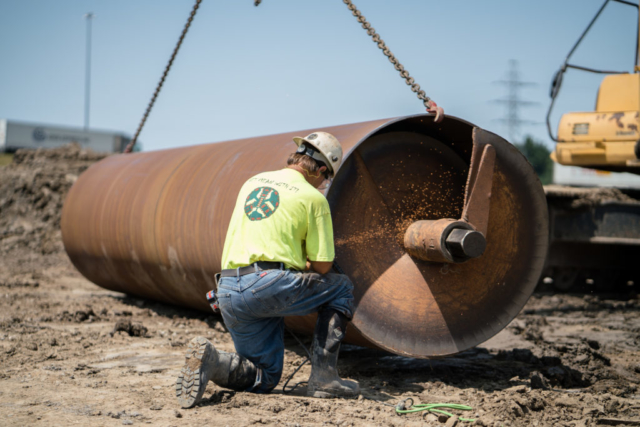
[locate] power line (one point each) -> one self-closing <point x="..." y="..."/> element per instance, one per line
<point x="513" y="101"/>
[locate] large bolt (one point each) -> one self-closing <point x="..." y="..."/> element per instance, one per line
<point x="443" y="240"/>
<point x="466" y="243"/>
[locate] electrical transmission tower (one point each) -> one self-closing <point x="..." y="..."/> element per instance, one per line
<point x="513" y="102"/>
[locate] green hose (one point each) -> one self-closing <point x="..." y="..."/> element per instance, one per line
<point x="431" y="407"/>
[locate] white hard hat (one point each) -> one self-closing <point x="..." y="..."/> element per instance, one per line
<point x="328" y="149"/>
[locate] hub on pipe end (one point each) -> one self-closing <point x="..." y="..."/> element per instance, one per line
<point x="444" y="240"/>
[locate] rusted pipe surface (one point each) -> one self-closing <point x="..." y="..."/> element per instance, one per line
<point x="153" y="225"/>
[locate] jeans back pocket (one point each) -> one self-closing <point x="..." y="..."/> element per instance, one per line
<point x="271" y="291"/>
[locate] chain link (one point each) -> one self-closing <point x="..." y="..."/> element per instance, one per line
<point x="415" y="87"/>
<point x="131" y="144"/>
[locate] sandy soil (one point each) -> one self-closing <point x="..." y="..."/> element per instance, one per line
<point x="72" y="353"/>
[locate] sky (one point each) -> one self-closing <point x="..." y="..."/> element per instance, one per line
<point x="286" y="65"/>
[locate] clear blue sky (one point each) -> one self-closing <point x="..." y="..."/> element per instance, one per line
<point x="295" y="64"/>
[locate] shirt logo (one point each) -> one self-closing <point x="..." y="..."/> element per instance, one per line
<point x="261" y="203"/>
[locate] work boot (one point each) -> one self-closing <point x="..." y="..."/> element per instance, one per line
<point x="324" y="380"/>
<point x="203" y="363"/>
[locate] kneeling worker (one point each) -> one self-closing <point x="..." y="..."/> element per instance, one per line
<point x="280" y="221"/>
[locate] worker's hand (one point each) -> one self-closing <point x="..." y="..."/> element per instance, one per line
<point x="321" y="267"/>
<point x="438" y="111"/>
<point x="308" y="266"/>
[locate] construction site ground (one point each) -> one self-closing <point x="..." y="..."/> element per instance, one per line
<point x="72" y="353"/>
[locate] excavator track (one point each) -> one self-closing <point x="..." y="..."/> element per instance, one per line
<point x="594" y="241"/>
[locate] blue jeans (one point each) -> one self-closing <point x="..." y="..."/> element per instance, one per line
<point x="253" y="307"/>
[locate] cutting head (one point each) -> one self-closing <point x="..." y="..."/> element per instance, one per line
<point x="413" y="171"/>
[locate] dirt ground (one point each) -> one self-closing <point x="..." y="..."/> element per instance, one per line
<point x="72" y="353"/>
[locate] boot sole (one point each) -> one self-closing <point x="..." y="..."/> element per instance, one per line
<point x="192" y="382"/>
<point x="328" y="394"/>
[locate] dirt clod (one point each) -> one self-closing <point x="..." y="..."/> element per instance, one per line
<point x="538" y="381"/>
<point x="430" y="418"/>
<point x="134" y="329"/>
<point x="451" y="422"/>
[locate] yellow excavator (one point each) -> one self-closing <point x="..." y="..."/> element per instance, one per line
<point x="595" y="231"/>
<point x="609" y="137"/>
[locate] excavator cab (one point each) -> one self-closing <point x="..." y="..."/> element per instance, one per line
<point x="609" y="137"/>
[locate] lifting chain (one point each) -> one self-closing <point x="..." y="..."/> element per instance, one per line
<point x="415" y="87"/>
<point x="131" y="144"/>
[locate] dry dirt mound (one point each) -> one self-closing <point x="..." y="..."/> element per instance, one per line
<point x="32" y="190"/>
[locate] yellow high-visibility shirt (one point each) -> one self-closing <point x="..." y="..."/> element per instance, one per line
<point x="279" y="217"/>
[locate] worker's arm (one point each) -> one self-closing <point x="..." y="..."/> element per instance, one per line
<point x="319" y="239"/>
<point x="321" y="267"/>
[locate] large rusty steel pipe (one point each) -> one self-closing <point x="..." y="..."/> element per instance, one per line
<point x="153" y="224"/>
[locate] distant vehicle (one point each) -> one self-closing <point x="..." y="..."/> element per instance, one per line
<point x="15" y="135"/>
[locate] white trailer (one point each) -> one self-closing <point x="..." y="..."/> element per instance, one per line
<point x="583" y="177"/>
<point x="15" y="135"/>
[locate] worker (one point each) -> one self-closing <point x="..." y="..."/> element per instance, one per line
<point x="276" y="262"/>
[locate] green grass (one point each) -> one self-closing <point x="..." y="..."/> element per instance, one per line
<point x="5" y="159"/>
